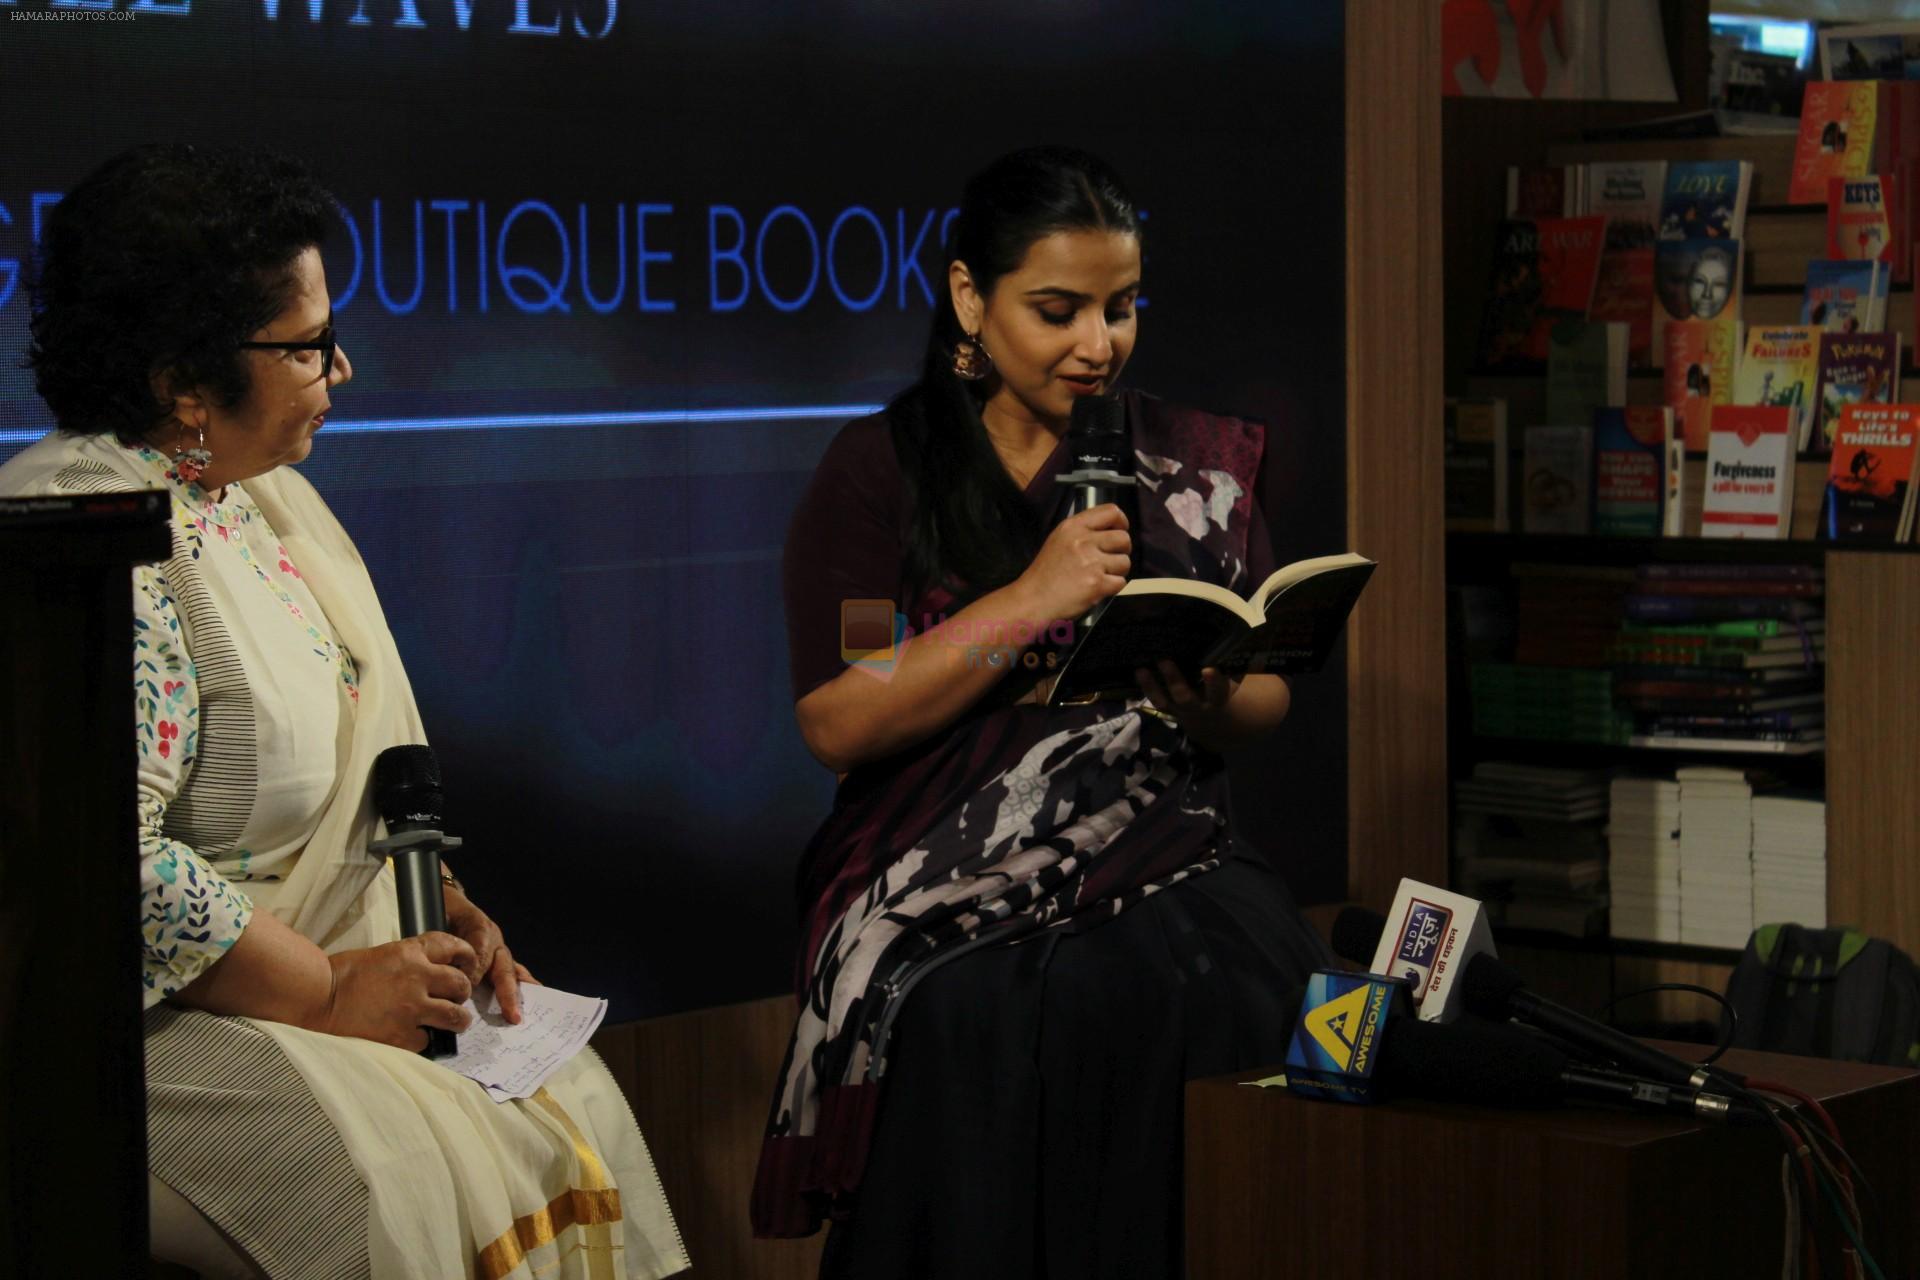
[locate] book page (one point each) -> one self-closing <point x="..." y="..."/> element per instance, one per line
<point x="1299" y="571"/>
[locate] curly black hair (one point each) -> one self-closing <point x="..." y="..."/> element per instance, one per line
<point x="153" y="268"/>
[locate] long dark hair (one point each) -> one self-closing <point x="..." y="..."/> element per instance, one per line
<point x="969" y="525"/>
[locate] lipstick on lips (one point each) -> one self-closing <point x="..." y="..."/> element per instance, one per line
<point x="1083" y="386"/>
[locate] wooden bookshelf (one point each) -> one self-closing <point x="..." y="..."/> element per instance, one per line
<point x="1871" y="767"/>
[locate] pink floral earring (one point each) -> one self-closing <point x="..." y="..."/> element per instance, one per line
<point x="190" y="463"/>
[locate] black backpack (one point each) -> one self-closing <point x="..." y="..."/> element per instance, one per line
<point x="1827" y="993"/>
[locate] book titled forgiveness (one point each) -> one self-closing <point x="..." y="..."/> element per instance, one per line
<point x="1288" y="626"/>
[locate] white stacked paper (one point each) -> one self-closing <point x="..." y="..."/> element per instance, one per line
<point x="1716" y="857"/>
<point x="1643" y="844"/>
<point x="1790" y="860"/>
<point x="512" y="1060"/>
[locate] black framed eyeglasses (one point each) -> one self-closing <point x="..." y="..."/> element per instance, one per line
<point x="325" y="344"/>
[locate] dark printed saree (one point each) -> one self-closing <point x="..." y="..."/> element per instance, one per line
<point x="1016" y="819"/>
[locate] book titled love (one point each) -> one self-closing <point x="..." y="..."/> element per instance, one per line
<point x="1289" y="626"/>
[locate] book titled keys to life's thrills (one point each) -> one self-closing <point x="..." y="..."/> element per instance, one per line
<point x="1288" y="626"/>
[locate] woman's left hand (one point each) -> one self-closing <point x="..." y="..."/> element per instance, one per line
<point x="493" y="962"/>
<point x="1201" y="712"/>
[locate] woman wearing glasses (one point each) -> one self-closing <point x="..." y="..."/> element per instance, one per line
<point x="183" y="338"/>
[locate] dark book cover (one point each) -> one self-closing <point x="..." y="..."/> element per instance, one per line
<point x="1288" y="627"/>
<point x="1715" y="608"/>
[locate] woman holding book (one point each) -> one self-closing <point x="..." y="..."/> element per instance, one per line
<point x="183" y="338"/>
<point x="959" y="1105"/>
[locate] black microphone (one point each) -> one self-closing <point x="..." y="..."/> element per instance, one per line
<point x="406" y="791"/>
<point x="1356" y="933"/>
<point x="1493" y="1064"/>
<point x="1495" y="990"/>
<point x="1101" y="454"/>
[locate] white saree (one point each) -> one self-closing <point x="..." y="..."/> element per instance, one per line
<point x="442" y="1180"/>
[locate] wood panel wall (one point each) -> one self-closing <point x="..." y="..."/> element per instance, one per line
<point x="1396" y="642"/>
<point x="1873" y="744"/>
<point x="700" y="1084"/>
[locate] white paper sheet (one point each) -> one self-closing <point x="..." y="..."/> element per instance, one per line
<point x="513" y="1060"/>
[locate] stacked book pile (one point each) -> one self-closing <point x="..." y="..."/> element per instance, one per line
<point x="1546" y="704"/>
<point x="1567" y="615"/>
<point x="1716" y="857"/>
<point x="1727" y="657"/>
<point x="1790" y="860"/>
<point x="1530" y="842"/>
<point x="1643" y="844"/>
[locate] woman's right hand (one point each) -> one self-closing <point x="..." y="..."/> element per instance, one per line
<point x="390" y="993"/>
<point x="1083" y="561"/>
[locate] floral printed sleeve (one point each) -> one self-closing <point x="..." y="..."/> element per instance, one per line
<point x="189" y="913"/>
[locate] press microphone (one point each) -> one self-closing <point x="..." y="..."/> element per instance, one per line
<point x="1481" y="1063"/>
<point x="406" y="791"/>
<point x="1101" y="455"/>
<point x="1494" y="989"/>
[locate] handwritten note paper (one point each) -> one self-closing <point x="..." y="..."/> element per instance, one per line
<point x="513" y="1060"/>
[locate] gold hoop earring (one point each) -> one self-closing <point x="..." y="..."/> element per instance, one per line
<point x="971" y="362"/>
<point x="191" y="462"/>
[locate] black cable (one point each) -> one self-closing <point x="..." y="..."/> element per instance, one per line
<point x="1729" y="1020"/>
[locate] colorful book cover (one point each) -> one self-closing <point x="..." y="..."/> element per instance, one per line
<point x="1700" y="356"/>
<point x="1840" y="295"/>
<point x="1673" y="504"/>
<point x="1855" y="368"/>
<point x="1586" y="369"/>
<point x="1860" y="217"/>
<point x="1476" y="464"/>
<point x="1836" y="136"/>
<point x="1630" y="469"/>
<point x="1628" y="193"/>
<point x="1749" y="481"/>
<point x="1623" y="294"/>
<point x="1694" y="280"/>
<point x="1780" y="366"/>
<point x="1884" y="51"/>
<point x="1705" y="199"/>
<point x="1543" y="191"/>
<point x="1871" y="473"/>
<point x="1543" y="272"/>
<point x="1557" y="490"/>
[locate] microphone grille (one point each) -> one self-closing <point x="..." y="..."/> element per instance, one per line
<point x="1356" y="934"/>
<point x="406" y="785"/>
<point x="1489" y="986"/>
<point x="1097" y="435"/>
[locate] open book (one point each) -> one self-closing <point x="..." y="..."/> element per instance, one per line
<point x="1289" y="625"/>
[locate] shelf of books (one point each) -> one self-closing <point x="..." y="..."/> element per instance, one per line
<point x="1680" y="477"/>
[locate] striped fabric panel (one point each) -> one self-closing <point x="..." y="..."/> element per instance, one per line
<point x="233" y="1128"/>
<point x="89" y="477"/>
<point x="213" y="807"/>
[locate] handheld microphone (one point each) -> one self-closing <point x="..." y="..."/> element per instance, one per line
<point x="406" y="791"/>
<point x="1101" y="454"/>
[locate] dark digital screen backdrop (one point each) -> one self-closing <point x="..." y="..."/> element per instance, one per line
<point x="611" y="275"/>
